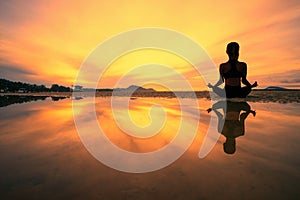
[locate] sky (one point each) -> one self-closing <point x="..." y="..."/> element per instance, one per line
<point x="45" y="42"/>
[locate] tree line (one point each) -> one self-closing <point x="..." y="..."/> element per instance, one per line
<point x="10" y="86"/>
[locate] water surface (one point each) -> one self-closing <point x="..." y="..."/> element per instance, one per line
<point x="42" y="156"/>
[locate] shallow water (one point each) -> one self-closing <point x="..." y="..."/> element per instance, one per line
<point x="42" y="156"/>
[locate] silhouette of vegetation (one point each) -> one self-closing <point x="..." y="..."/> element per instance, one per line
<point x="59" y="88"/>
<point x="10" y="86"/>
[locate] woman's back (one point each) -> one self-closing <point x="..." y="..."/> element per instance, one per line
<point x="233" y="71"/>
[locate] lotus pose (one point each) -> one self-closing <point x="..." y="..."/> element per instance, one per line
<point x="233" y="72"/>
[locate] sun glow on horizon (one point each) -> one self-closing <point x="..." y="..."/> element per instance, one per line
<point x="127" y="67"/>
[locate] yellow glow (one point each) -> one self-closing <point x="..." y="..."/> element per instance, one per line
<point x="139" y="113"/>
<point x="150" y="58"/>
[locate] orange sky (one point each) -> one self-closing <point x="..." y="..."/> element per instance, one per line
<point x="44" y="42"/>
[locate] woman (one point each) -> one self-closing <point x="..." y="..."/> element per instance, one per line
<point x="233" y="72"/>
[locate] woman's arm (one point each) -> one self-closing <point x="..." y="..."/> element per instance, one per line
<point x="246" y="82"/>
<point x="221" y="79"/>
<point x="244" y="76"/>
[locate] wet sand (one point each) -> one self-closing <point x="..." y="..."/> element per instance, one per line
<point x="288" y="96"/>
<point x="42" y="157"/>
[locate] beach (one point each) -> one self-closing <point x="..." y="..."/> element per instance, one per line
<point x="43" y="156"/>
<point x="286" y="96"/>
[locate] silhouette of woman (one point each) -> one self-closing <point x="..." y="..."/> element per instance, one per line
<point x="233" y="72"/>
<point x="232" y="123"/>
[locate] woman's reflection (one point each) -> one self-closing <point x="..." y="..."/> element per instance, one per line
<point x="232" y="125"/>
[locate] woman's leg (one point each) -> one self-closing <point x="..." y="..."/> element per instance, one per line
<point x="219" y="91"/>
<point x="232" y="91"/>
<point x="245" y="91"/>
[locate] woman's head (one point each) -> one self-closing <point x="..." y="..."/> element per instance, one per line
<point x="229" y="146"/>
<point x="233" y="50"/>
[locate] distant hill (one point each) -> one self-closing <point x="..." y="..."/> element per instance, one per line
<point x="277" y="88"/>
<point x="135" y="88"/>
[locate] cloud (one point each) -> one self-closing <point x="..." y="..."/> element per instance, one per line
<point x="14" y="72"/>
<point x="291" y="76"/>
<point x="297" y="80"/>
<point x="288" y="78"/>
<point x="9" y="69"/>
<point x="16" y="12"/>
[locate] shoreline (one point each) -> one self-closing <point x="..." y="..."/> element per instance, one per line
<point x="255" y="96"/>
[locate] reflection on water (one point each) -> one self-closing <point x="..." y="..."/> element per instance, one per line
<point x="42" y="156"/>
<point x="163" y="126"/>
<point x="231" y="122"/>
<point x="57" y="98"/>
<point x="6" y="100"/>
<point x="13" y="99"/>
<point x="154" y="131"/>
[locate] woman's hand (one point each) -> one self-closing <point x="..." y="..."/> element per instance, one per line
<point x="253" y="112"/>
<point x="254" y="84"/>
